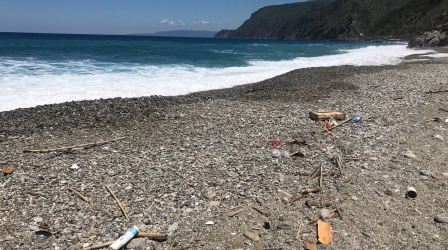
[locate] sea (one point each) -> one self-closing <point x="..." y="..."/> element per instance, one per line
<point x="37" y="69"/>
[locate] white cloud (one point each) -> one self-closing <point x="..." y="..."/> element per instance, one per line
<point x="168" y="21"/>
<point x="173" y="22"/>
<point x="179" y="22"/>
<point x="201" y="22"/>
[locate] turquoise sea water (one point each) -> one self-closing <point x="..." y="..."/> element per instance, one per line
<point x="47" y="68"/>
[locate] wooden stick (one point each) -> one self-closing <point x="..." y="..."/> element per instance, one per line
<point x="312" y="174"/>
<point x="444" y="110"/>
<point x="99" y="246"/>
<point x="338" y="162"/>
<point x="320" y="179"/>
<point x="338" y="211"/>
<point x="236" y="212"/>
<point x="72" y="148"/>
<point x="299" y="231"/>
<point x="118" y="202"/>
<point x="436" y="92"/>
<point x="151" y="236"/>
<point x="82" y="197"/>
<point x="261" y="211"/>
<point x="311" y="190"/>
<point x="338" y="125"/>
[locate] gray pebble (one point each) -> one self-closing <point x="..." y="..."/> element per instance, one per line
<point x="441" y="218"/>
<point x="425" y="172"/>
<point x="409" y="154"/>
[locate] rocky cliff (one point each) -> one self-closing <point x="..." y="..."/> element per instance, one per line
<point x="344" y="19"/>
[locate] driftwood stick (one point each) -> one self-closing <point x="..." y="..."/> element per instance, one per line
<point x="82" y="197"/>
<point x="299" y="231"/>
<point x="152" y="236"/>
<point x="338" y="125"/>
<point x="437" y="91"/>
<point x="312" y="174"/>
<point x="118" y="202"/>
<point x="261" y="211"/>
<point x="72" y="148"/>
<point x="99" y="246"/>
<point x="338" y="211"/>
<point x="321" y="176"/>
<point x="311" y="190"/>
<point x="338" y="163"/>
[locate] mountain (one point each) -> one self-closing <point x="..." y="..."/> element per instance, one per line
<point x="344" y="19"/>
<point x="182" y="33"/>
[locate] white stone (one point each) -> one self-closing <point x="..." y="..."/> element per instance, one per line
<point x="173" y="227"/>
<point x="38" y="219"/>
<point x="439" y="137"/>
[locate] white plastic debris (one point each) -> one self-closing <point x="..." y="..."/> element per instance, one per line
<point x="210" y="222"/>
<point x="131" y="233"/>
<point x="75" y="166"/>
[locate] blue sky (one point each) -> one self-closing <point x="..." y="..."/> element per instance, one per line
<point x="125" y="16"/>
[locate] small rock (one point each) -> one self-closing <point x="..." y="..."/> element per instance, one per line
<point x="237" y="245"/>
<point x="210" y="223"/>
<point x="285" y="154"/>
<point x="34" y="228"/>
<point x="173" y="227"/>
<point x="75" y="166"/>
<point x="210" y="193"/>
<point x="325" y="213"/>
<point x="252" y="236"/>
<point x="409" y="154"/>
<point x="389" y="192"/>
<point x="354" y="198"/>
<point x="267" y="225"/>
<point x="136" y="244"/>
<point x="366" y="234"/>
<point x="439" y="137"/>
<point x="283" y="226"/>
<point x="276" y="153"/>
<point x="214" y="204"/>
<point x="441" y="218"/>
<point x="425" y="172"/>
<point x="38" y="219"/>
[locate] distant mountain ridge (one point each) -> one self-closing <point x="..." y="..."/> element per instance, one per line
<point x="344" y="19"/>
<point x="182" y="33"/>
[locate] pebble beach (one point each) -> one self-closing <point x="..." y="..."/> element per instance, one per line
<point x="200" y="168"/>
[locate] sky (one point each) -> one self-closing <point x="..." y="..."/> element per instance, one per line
<point x="125" y="16"/>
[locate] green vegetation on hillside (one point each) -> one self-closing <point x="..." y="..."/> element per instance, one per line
<point x="344" y="19"/>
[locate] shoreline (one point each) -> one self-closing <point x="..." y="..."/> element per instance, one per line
<point x="411" y="57"/>
<point x="187" y="160"/>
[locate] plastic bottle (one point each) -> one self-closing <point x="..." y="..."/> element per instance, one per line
<point x="125" y="238"/>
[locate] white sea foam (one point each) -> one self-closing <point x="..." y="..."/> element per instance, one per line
<point x="437" y="55"/>
<point x="28" y="83"/>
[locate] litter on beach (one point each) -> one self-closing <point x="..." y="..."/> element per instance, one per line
<point x="327" y="115"/>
